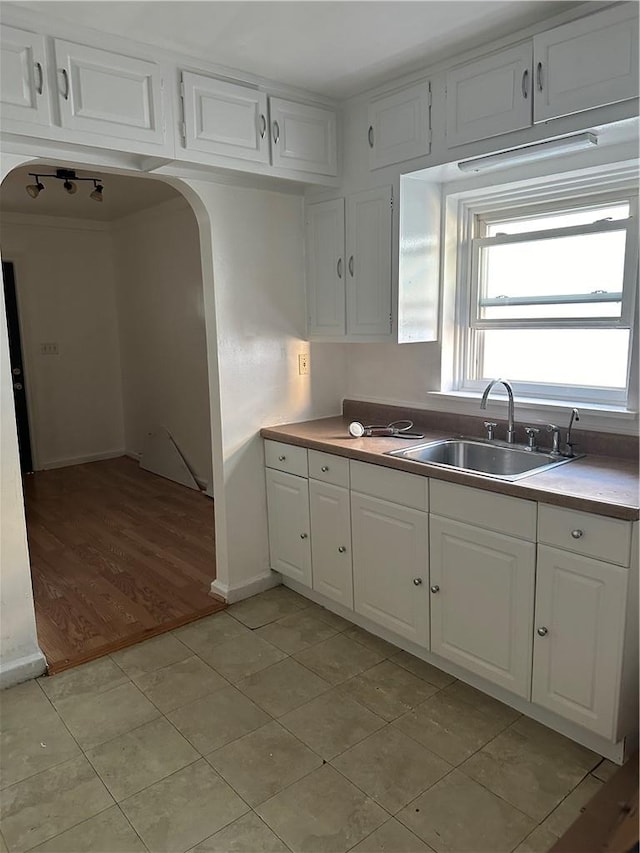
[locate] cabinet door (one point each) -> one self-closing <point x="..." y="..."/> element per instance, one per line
<point x="399" y="126"/>
<point x="586" y="63"/>
<point x="289" y="528"/>
<point x="303" y="137"/>
<point x="331" y="542"/>
<point x="108" y="93"/>
<point x="325" y="268"/>
<point x="22" y="76"/>
<point x="482" y="595"/>
<point x="391" y="566"/>
<point x="368" y="271"/>
<point x="579" y="629"/>
<point x="490" y="96"/>
<point x="225" y="118"/>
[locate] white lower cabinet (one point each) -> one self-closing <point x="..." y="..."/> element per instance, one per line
<point x="482" y="590"/>
<point x="579" y="632"/>
<point x="391" y="566"/>
<point x="289" y="525"/>
<point x="331" y="542"/>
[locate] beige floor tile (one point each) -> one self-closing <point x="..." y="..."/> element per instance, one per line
<point x="572" y="806"/>
<point x="139" y="758"/>
<point x="201" y="636"/>
<point x="217" y="719"/>
<point x="391" y="767"/>
<point x="32" y="735"/>
<point x="388" y="690"/>
<point x="45" y="805"/>
<point x="248" y="834"/>
<point x="264" y="762"/>
<point x="3" y="846"/>
<point x="539" y="841"/>
<point x="531" y="767"/>
<point x="151" y="655"/>
<point x="95" y="677"/>
<point x="242" y="656"/>
<point x="457" y="815"/>
<point x="329" y="617"/>
<point x="282" y="687"/>
<point x="391" y="837"/>
<point x="424" y="670"/>
<point x="371" y="641"/>
<point x="452" y="729"/>
<point x="108" y="832"/>
<point x="95" y="718"/>
<point x="180" y="683"/>
<point x="338" y="659"/>
<point x="487" y="704"/>
<point x="331" y="723"/>
<point x="267" y="607"/>
<point x="323" y="813"/>
<point x="605" y="770"/>
<point x="184" y="809"/>
<point x="296" y="632"/>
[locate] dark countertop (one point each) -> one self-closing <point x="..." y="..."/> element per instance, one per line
<point x="601" y="484"/>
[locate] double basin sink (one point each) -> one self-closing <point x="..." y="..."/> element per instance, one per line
<point x="489" y="458"/>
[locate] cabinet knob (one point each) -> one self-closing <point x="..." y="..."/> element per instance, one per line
<point x="281" y="458"/>
<point x="577" y="534"/>
<point x="435" y="588"/>
<point x="341" y="549"/>
<point x="304" y="535"/>
<point x="324" y="469"/>
<point x="542" y="632"/>
<point x="417" y="581"/>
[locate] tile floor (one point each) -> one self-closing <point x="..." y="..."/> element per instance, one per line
<point x="278" y="726"/>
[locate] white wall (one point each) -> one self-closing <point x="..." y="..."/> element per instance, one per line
<point x="162" y="331"/>
<point x="255" y="301"/>
<point x="66" y="294"/>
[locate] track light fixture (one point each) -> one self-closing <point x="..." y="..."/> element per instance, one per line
<point x="69" y="178"/>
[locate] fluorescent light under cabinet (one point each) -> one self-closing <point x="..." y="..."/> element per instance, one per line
<point x="539" y="151"/>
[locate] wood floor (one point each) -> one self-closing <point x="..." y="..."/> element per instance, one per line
<point x="117" y="555"/>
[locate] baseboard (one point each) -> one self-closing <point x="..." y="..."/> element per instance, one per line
<point x="22" y="669"/>
<point x="81" y="460"/>
<point x="253" y="586"/>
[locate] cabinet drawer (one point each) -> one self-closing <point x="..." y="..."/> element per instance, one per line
<point x="396" y="486"/>
<point x="329" y="468"/>
<point x="286" y="457"/>
<point x="607" y="539"/>
<point x="501" y="513"/>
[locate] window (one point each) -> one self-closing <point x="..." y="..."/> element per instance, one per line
<point x="546" y="293"/>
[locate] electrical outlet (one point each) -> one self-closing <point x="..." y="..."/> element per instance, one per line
<point x="303" y="363"/>
<point x="49" y="349"/>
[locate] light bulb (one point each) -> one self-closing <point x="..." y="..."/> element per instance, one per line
<point x="96" y="195"/>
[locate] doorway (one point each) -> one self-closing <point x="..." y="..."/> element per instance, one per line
<point x="115" y="348"/>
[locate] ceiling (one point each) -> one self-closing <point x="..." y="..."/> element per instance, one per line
<point x="332" y="48"/>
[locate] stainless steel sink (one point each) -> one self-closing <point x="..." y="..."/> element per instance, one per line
<point x="489" y="458"/>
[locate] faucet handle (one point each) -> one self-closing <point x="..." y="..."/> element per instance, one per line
<point x="490" y="426"/>
<point x="531" y="436"/>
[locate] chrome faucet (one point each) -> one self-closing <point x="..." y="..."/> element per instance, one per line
<point x="568" y="445"/>
<point x="483" y="405"/>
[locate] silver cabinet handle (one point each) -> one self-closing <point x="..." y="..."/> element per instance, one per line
<point x="304" y="535"/>
<point x="525" y="83"/>
<point x="339" y="267"/>
<point x="577" y="534"/>
<point x="542" y="632"/>
<point x="350" y="265"/>
<point x="17" y="386"/>
<point x="417" y="581"/>
<point x="370" y="136"/>
<point x="263" y="126"/>
<point x="539" y="76"/>
<point x="435" y="588"/>
<point x="281" y="458"/>
<point x="341" y="549"/>
<point x="276" y="131"/>
<point x="65" y="77"/>
<point x="40" y="85"/>
<point x="324" y="469"/>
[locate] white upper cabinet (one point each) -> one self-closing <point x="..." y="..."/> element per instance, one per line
<point x="587" y="63"/>
<point x="225" y="118"/>
<point x="303" y="137"/>
<point x="109" y="94"/>
<point x="23" y="77"/>
<point x="490" y="96"/>
<point x="325" y="268"/>
<point x="399" y="125"/>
